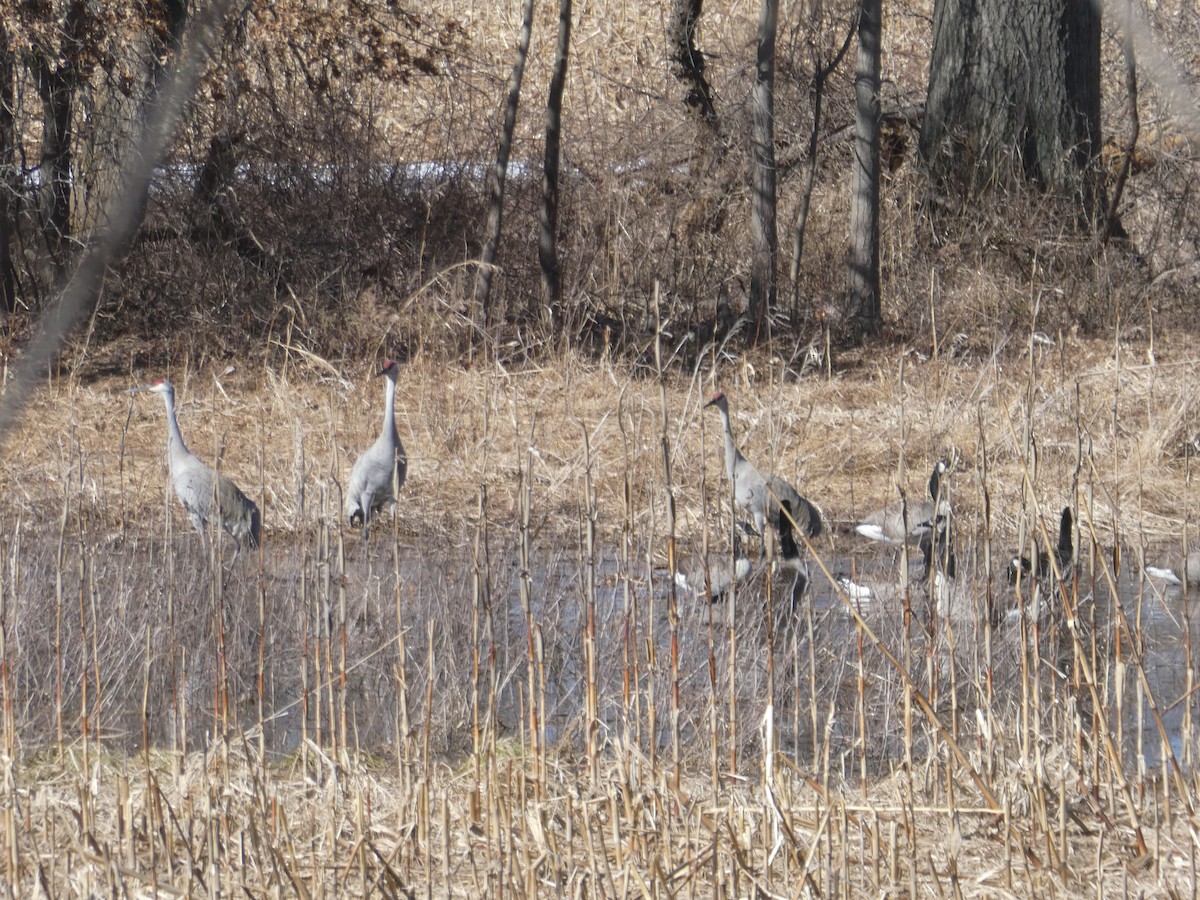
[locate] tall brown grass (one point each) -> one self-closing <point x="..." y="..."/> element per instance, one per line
<point x="499" y="690"/>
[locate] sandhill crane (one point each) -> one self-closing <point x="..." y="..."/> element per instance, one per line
<point x="1064" y="554"/>
<point x="209" y="499"/>
<point x="894" y="523"/>
<point x="1177" y="568"/>
<point x="381" y="469"/>
<point x="762" y="495"/>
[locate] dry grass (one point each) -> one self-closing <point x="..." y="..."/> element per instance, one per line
<point x="338" y="718"/>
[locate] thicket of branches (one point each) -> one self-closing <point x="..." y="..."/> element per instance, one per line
<point x="329" y="186"/>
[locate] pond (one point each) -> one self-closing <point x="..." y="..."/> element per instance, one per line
<point x="453" y="642"/>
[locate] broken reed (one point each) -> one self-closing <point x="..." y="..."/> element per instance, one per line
<point x="217" y="657"/>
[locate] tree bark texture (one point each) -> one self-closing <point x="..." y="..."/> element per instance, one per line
<point x="687" y="61"/>
<point x="548" y="243"/>
<point x="1014" y="75"/>
<point x="56" y="89"/>
<point x="491" y="244"/>
<point x="762" y="143"/>
<point x="863" y="255"/>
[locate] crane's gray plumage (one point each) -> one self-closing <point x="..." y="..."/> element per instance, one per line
<point x="761" y="495"/>
<point x="381" y="469"/>
<point x="894" y="523"/>
<point x="209" y="499"/>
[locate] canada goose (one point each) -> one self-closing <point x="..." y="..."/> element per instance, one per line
<point x="1041" y="567"/>
<point x="722" y="572"/>
<point x="789" y="571"/>
<point x="1176" y="569"/>
<point x="761" y="495"/>
<point x="894" y="523"/>
<point x="939" y="565"/>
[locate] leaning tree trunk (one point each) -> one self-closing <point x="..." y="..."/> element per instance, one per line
<point x="491" y="243"/>
<point x="763" y="205"/>
<point x="687" y="61"/>
<point x="548" y="243"/>
<point x="1017" y="76"/>
<point x="863" y="257"/>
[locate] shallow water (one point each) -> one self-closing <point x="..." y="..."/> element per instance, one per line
<point x="422" y="639"/>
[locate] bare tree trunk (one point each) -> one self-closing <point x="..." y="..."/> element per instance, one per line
<point x="548" y="243"/>
<point x="863" y="256"/>
<point x="9" y="189"/>
<point x="762" y="142"/>
<point x="56" y="88"/>
<point x="687" y="61"/>
<point x="491" y="244"/>
<point x="1112" y="221"/>
<point x="821" y="73"/>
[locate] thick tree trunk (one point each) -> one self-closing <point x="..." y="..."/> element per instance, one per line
<point x="491" y="243"/>
<point x="762" y="142"/>
<point x="1015" y="75"/>
<point x="548" y="243"/>
<point x="863" y="256"/>
<point x="687" y="61"/>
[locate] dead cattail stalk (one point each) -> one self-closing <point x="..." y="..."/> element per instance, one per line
<point x="672" y="560"/>
<point x="590" y="663"/>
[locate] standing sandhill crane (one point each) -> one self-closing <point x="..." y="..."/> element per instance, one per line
<point x="762" y="495"/>
<point x="381" y="469"/>
<point x="894" y="523"/>
<point x="209" y="499"/>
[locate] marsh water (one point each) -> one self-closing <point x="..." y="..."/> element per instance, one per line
<point x="445" y="641"/>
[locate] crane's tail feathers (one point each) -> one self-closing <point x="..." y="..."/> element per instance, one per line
<point x="806" y="517"/>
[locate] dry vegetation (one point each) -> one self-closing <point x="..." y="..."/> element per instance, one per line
<point x="500" y="692"/>
<point x="339" y="716"/>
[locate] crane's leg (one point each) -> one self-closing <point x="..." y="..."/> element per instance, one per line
<point x="198" y="524"/>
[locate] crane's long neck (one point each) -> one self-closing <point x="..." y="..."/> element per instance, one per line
<point x="731" y="452"/>
<point x="389" y="407"/>
<point x="176" y="449"/>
